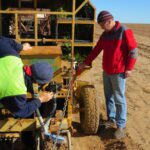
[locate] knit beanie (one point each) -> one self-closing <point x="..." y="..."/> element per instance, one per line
<point x="42" y="72"/>
<point x="104" y="16"/>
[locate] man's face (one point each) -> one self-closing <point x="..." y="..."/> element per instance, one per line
<point x="106" y="25"/>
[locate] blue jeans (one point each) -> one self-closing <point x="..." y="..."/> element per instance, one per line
<point x="114" y="90"/>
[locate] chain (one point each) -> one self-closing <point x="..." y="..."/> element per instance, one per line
<point x="63" y="113"/>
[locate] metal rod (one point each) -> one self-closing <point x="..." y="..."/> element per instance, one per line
<point x="79" y="8"/>
<point x="35" y="4"/>
<point x="69" y="138"/>
<point x="16" y="26"/>
<point x="0" y="17"/>
<point x="40" y="118"/>
<point x="36" y="29"/>
<point x="72" y="55"/>
<point x="33" y="12"/>
<point x="46" y="40"/>
<point x="94" y="28"/>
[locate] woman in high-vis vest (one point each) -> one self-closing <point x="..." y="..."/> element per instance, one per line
<point x="15" y="81"/>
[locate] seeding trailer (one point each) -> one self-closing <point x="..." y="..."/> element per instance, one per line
<point x="57" y="30"/>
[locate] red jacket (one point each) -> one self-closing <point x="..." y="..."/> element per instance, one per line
<point x="119" y="50"/>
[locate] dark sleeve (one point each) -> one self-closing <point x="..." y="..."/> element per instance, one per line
<point x="16" y="46"/>
<point x="94" y="53"/>
<point x="20" y="107"/>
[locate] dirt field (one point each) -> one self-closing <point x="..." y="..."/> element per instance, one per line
<point x="138" y="99"/>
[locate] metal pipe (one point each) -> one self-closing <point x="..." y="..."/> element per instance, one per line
<point x="69" y="138"/>
<point x="33" y="12"/>
<point x="40" y="118"/>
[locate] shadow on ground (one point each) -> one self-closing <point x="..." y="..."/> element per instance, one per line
<point x="105" y="135"/>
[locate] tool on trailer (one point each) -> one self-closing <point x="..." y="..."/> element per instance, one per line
<point x="44" y="130"/>
<point x="53" y="37"/>
<point x="71" y="79"/>
<point x="51" y="87"/>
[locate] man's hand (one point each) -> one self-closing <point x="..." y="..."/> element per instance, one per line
<point x="81" y="67"/>
<point x="128" y="73"/>
<point x="45" y="96"/>
<point x="26" y="46"/>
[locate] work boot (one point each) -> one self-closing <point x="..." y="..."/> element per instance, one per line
<point x="120" y="133"/>
<point x="109" y="123"/>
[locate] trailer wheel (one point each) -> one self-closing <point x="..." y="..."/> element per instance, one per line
<point x="89" y="110"/>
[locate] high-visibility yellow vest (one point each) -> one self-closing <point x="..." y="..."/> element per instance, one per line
<point x="11" y="77"/>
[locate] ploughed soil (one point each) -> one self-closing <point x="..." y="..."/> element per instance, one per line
<point x="138" y="100"/>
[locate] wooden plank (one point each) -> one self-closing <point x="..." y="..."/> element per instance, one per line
<point x="9" y="135"/>
<point x="43" y="51"/>
<point x="17" y="125"/>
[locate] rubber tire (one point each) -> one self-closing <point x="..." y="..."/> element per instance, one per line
<point x="90" y="108"/>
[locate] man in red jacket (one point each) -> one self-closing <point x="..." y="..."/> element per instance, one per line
<point x="119" y="56"/>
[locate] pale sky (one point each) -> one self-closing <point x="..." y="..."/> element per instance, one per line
<point x="126" y="11"/>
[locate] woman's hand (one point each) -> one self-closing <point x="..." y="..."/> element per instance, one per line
<point x="26" y="46"/>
